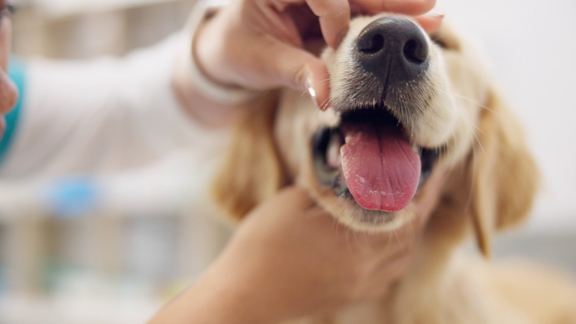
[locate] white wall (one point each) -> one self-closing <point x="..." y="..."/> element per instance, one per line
<point x="532" y="48"/>
<point x="58" y="8"/>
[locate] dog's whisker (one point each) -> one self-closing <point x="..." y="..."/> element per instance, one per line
<point x="349" y="241"/>
<point x="467" y="99"/>
<point x="389" y="241"/>
<point x="474" y="179"/>
<point x="326" y="102"/>
<point x="411" y="231"/>
<point x="471" y="128"/>
<point x="478" y="140"/>
<point x="398" y="239"/>
<point x="359" y="244"/>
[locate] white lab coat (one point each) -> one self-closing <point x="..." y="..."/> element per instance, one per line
<point x="115" y="124"/>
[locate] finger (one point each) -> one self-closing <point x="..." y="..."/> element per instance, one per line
<point x="334" y="16"/>
<point x="407" y="7"/>
<point x="298" y="69"/>
<point x="319" y="84"/>
<point x="297" y="196"/>
<point x="430" y="22"/>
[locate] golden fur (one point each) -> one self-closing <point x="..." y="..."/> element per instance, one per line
<point x="490" y="185"/>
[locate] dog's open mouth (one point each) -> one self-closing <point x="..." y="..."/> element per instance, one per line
<point x="369" y="156"/>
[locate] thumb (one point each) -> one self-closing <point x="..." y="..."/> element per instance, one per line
<point x="430" y="22"/>
<point x="298" y="69"/>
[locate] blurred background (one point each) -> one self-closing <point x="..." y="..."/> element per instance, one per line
<point x="79" y="263"/>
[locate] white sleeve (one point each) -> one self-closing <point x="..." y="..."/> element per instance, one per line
<point x="100" y="116"/>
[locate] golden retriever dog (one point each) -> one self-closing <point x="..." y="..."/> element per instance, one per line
<point x="404" y="106"/>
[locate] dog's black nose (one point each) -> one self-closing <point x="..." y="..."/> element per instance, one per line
<point x="393" y="49"/>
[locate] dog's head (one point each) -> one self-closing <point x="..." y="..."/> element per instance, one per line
<point x="403" y="104"/>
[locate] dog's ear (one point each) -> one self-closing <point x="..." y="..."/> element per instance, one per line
<point x="503" y="172"/>
<point x="252" y="170"/>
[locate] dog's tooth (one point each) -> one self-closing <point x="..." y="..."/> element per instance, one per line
<point x="333" y="158"/>
<point x="417" y="149"/>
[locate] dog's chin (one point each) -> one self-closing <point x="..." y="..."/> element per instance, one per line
<point x="352" y="215"/>
<point x="348" y="212"/>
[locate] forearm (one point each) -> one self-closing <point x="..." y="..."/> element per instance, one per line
<point x="79" y="117"/>
<point x="218" y="297"/>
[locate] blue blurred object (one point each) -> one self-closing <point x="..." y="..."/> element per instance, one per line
<point x="71" y="198"/>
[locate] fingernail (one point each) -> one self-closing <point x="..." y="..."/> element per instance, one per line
<point x="436" y="13"/>
<point x="312" y="91"/>
<point x="314" y="97"/>
<point x="312" y="94"/>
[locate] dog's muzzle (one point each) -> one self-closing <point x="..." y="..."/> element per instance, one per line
<point x="394" y="50"/>
<point x="369" y="155"/>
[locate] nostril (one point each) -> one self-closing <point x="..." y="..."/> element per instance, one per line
<point x="415" y="52"/>
<point x="393" y="49"/>
<point x="371" y="45"/>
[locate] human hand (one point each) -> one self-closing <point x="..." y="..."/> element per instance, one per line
<point x="258" y="44"/>
<point x="290" y="259"/>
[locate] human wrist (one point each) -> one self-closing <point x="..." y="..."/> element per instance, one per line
<point x="245" y="289"/>
<point x="216" y="299"/>
<point x="207" y="51"/>
<point x="206" y="64"/>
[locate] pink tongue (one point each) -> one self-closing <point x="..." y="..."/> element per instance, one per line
<point x="381" y="169"/>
